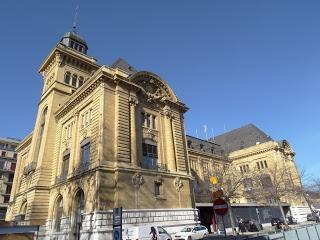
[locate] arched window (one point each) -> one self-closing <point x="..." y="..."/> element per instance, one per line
<point x="85" y="153"/>
<point x="23" y="209"/>
<point x="58" y="214"/>
<point x="74" y="80"/>
<point x="81" y="81"/>
<point x="150" y="154"/>
<point x="40" y="133"/>
<point x="67" y="77"/>
<point x="78" y="210"/>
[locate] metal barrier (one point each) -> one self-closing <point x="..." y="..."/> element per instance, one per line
<point x="303" y="233"/>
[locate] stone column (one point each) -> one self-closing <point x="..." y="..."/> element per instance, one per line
<point x="133" y="101"/>
<point x="170" y="149"/>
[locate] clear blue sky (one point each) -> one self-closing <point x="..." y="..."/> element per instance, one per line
<point x="232" y="62"/>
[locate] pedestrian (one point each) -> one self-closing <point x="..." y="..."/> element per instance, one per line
<point x="153" y="233"/>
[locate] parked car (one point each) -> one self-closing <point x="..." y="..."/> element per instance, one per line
<point x="191" y="233"/>
<point x="275" y="221"/>
<point x="311" y="217"/>
<point x="291" y="220"/>
<point x="145" y="233"/>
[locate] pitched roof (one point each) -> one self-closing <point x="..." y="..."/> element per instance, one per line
<point x="204" y="146"/>
<point x="243" y="137"/>
<point x="124" y="65"/>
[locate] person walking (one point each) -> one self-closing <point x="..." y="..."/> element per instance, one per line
<point x="153" y="234"/>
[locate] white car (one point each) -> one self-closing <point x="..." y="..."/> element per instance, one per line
<point x="191" y="233"/>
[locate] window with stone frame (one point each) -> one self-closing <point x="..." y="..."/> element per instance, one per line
<point x="150" y="155"/>
<point x="148" y="120"/>
<point x="86" y="118"/>
<point x="74" y="80"/>
<point x="65" y="164"/>
<point x="58" y="214"/>
<point x="67" y="78"/>
<point x="85" y="153"/>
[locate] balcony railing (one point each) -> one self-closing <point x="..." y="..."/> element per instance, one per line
<point x="80" y="169"/>
<point x="29" y="168"/>
<point x="154" y="166"/>
<point x="61" y="178"/>
<point x="19" y="217"/>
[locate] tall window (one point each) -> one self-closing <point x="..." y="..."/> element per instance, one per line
<point x="85" y="153"/>
<point x="74" y="80"/>
<point x="58" y="214"/>
<point x="80" y="81"/>
<point x="148" y="120"/>
<point x="40" y="133"/>
<point x="150" y="155"/>
<point x="65" y="163"/>
<point x="67" y="78"/>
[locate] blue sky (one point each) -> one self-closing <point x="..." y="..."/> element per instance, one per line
<point x="232" y="62"/>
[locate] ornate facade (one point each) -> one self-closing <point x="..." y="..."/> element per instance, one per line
<point x="253" y="156"/>
<point x="104" y="137"/>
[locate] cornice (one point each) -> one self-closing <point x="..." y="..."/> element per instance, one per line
<point x="25" y="142"/>
<point x="266" y="148"/>
<point x="210" y="155"/>
<point x="64" y="49"/>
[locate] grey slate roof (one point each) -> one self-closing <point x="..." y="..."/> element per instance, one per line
<point x="204" y="146"/>
<point x="242" y="137"/>
<point x="124" y="65"/>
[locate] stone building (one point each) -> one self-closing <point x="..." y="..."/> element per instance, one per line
<point x="104" y="137"/>
<point x="8" y="161"/>
<point x="248" y="150"/>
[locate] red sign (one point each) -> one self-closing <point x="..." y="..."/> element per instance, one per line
<point x="220" y="206"/>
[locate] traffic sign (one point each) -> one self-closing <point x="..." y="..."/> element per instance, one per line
<point x="220" y="207"/>
<point x="217" y="194"/>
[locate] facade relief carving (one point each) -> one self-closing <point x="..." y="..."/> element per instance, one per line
<point x="168" y="113"/>
<point x="133" y="100"/>
<point x="178" y="184"/>
<point x="150" y="134"/>
<point x="137" y="180"/>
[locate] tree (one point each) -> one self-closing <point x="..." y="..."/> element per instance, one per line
<point x="232" y="182"/>
<point x="275" y="183"/>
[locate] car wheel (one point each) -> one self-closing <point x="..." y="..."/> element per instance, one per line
<point x="204" y="235"/>
<point x="189" y="238"/>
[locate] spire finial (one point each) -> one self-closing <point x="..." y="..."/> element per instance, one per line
<point x="75" y="18"/>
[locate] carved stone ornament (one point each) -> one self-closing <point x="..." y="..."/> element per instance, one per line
<point x="133" y="100"/>
<point x="178" y="184"/>
<point x="168" y="112"/>
<point x="150" y="134"/>
<point x="159" y="179"/>
<point x="154" y="93"/>
<point x="137" y="180"/>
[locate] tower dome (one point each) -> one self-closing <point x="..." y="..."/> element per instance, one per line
<point x="73" y="40"/>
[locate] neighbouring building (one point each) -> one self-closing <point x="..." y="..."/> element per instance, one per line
<point x="246" y="149"/>
<point x="104" y="137"/>
<point x="8" y="161"/>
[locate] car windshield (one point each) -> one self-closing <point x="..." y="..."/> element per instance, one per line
<point x="186" y="229"/>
